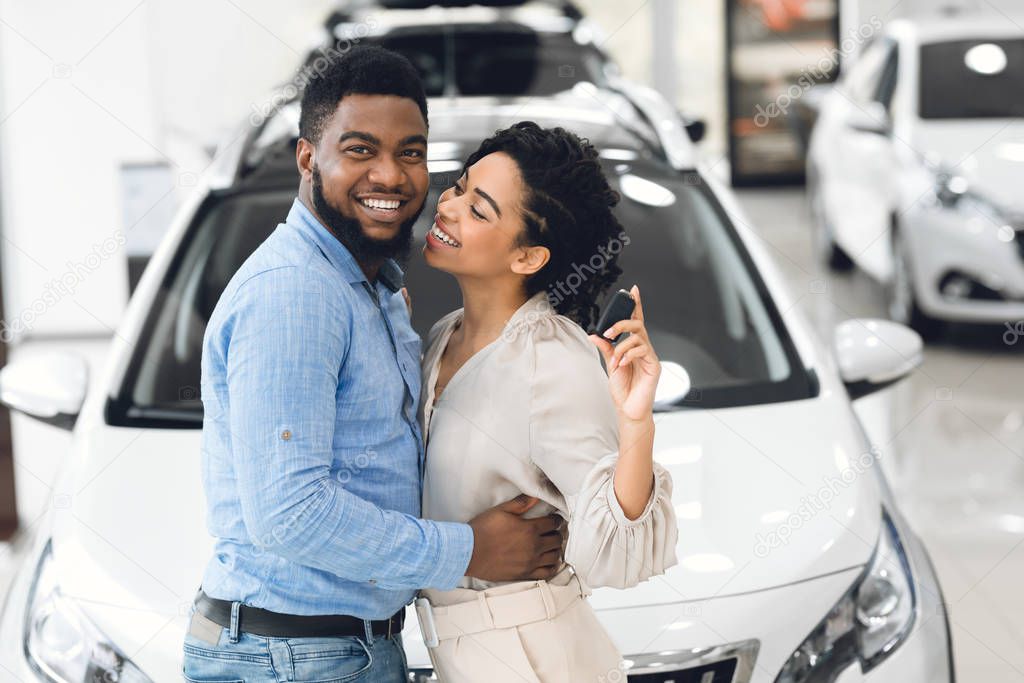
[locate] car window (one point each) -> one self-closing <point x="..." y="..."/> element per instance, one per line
<point x="972" y="79"/>
<point x="498" y="61"/>
<point x="888" y="79"/>
<point x="863" y="79"/>
<point x="706" y="307"/>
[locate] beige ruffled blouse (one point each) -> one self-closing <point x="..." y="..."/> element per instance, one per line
<point x="532" y="413"/>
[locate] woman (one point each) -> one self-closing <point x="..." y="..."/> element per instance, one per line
<point x="515" y="401"/>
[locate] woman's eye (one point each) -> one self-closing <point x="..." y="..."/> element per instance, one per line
<point x="476" y="213"/>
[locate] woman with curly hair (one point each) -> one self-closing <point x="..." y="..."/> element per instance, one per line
<point x="515" y="401"/>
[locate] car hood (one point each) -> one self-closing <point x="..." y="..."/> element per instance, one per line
<point x="765" y="495"/>
<point x="989" y="153"/>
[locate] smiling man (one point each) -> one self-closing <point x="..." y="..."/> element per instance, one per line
<point x="312" y="453"/>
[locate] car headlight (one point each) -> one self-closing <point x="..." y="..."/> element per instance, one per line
<point x="868" y="622"/>
<point x="60" y="641"/>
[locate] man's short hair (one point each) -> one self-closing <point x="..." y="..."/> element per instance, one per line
<point x="363" y="70"/>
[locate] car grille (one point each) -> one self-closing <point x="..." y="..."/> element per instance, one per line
<point x="719" y="672"/>
<point x="732" y="663"/>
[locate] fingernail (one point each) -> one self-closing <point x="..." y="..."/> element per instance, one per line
<point x="608" y="333"/>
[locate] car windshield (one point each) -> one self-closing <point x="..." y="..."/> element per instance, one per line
<point x="502" y="60"/>
<point x="706" y="308"/>
<point x="968" y="79"/>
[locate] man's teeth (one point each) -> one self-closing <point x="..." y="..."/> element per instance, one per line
<point x="381" y="203"/>
<point x="444" y="237"/>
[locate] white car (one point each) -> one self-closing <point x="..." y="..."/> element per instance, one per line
<point x="795" y="564"/>
<point x="915" y="168"/>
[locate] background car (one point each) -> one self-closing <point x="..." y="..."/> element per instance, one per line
<point x="768" y="587"/>
<point x="495" y="47"/>
<point x="915" y="169"/>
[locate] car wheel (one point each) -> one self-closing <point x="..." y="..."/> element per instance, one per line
<point x="829" y="253"/>
<point x="902" y="298"/>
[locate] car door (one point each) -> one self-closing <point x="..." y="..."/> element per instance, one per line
<point x="862" y="189"/>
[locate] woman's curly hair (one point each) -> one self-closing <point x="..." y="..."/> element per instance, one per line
<point x="567" y="207"/>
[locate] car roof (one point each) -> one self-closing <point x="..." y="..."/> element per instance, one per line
<point x="958" y="25"/>
<point x="607" y="118"/>
<point x="376" y="18"/>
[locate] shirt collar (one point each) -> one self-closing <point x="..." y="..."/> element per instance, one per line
<point x="302" y="219"/>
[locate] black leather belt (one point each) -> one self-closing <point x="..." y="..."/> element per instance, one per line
<point x="261" y="622"/>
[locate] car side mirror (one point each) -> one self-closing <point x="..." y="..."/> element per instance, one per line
<point x="695" y="128"/>
<point x="673" y="385"/>
<point x="873" y="354"/>
<point x="49" y="387"/>
<point x="871" y="118"/>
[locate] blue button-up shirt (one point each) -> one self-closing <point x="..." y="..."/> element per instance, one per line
<point x="312" y="454"/>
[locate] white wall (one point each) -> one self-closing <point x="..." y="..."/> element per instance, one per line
<point x="87" y="87"/>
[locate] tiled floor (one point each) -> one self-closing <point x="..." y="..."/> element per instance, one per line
<point x="955" y="431"/>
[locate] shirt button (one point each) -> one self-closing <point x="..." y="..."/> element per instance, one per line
<point x="286" y="435"/>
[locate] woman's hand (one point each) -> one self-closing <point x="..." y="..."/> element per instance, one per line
<point x="633" y="366"/>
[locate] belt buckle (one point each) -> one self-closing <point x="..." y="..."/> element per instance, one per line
<point x="428" y="629"/>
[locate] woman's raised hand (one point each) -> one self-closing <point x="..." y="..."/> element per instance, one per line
<point x="633" y="366"/>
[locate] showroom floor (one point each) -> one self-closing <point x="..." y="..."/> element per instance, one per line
<point x="952" y="438"/>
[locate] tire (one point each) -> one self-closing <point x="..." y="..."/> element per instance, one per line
<point x="828" y="252"/>
<point x="902" y="298"/>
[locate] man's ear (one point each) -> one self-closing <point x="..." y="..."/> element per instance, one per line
<point x="305" y="155"/>
<point x="530" y="259"/>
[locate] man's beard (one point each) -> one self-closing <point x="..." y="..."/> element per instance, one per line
<point x="349" y="231"/>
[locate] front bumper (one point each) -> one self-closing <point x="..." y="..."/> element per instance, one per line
<point x="675" y="631"/>
<point x="776" y="620"/>
<point x="944" y="243"/>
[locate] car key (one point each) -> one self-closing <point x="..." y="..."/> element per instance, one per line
<point x="618" y="309"/>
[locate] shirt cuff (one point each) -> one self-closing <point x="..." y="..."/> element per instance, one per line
<point x="455" y="548"/>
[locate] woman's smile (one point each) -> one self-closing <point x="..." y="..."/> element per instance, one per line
<point x="439" y="237"/>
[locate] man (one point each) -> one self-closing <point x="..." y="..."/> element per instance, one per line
<point x="312" y="454"/>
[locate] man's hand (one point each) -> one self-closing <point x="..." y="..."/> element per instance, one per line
<point x="408" y="300"/>
<point x="507" y="547"/>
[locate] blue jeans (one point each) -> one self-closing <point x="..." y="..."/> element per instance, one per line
<point x="260" y="659"/>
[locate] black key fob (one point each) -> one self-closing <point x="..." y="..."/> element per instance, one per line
<point x="618" y="309"/>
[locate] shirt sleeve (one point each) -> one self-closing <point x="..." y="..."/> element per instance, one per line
<point x="288" y="339"/>
<point x="574" y="441"/>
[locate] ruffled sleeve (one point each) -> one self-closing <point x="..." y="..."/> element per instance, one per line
<point x="574" y="442"/>
<point x="608" y="549"/>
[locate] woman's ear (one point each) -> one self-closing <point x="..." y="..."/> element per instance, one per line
<point x="530" y="259"/>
